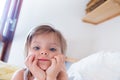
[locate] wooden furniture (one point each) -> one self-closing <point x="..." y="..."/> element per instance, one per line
<point x="72" y="60"/>
<point x="105" y="11"/>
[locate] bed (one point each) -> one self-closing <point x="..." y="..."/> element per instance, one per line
<point x="7" y="70"/>
<point x="98" y="66"/>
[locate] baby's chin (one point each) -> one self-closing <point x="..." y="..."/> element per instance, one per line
<point x="44" y="65"/>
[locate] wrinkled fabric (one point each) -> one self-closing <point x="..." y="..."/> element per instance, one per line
<point x="98" y="66"/>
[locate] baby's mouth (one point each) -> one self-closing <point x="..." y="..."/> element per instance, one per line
<point x="44" y="60"/>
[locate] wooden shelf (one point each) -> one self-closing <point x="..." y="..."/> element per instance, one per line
<point x="105" y="11"/>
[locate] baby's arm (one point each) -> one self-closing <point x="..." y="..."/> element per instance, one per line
<point x="31" y="64"/>
<point x="57" y="68"/>
<point x="63" y="75"/>
<point x="53" y="70"/>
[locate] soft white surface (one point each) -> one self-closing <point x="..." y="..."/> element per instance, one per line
<point x="98" y="66"/>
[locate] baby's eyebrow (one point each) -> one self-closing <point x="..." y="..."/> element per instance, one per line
<point x="35" y="42"/>
<point x="54" y="44"/>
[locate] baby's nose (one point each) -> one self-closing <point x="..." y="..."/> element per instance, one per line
<point x="44" y="53"/>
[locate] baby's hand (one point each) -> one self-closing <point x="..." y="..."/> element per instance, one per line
<point x="57" y="64"/>
<point x="31" y="64"/>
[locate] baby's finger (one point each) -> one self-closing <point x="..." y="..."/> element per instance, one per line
<point x="29" y="60"/>
<point x="58" y="59"/>
<point x="53" y="61"/>
<point x="61" y="57"/>
<point x="35" y="62"/>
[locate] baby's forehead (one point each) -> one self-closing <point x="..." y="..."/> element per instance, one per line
<point x="51" y="35"/>
<point x="52" y="38"/>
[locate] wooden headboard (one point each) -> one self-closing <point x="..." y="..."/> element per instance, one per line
<point x="72" y="60"/>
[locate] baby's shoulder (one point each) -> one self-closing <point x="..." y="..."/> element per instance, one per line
<point x="19" y="74"/>
<point x="20" y="71"/>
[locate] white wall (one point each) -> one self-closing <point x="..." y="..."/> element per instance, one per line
<point x="108" y="38"/>
<point x="83" y="39"/>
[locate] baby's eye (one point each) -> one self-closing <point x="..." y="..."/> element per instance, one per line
<point x="52" y="49"/>
<point x="36" y="48"/>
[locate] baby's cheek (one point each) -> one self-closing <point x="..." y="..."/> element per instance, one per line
<point x="54" y="55"/>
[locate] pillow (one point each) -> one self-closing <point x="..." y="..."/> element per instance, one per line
<point x="98" y="66"/>
<point x="6" y="70"/>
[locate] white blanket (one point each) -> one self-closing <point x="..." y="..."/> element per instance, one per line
<point x="98" y="66"/>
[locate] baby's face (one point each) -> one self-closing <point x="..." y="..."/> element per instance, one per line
<point x="44" y="47"/>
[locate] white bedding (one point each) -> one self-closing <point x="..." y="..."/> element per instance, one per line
<point x="98" y="66"/>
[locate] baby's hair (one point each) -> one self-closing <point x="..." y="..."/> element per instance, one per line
<point x="45" y="29"/>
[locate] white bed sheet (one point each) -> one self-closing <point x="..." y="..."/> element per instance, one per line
<point x="98" y="66"/>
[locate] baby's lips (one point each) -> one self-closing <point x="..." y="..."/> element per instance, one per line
<point x="43" y="59"/>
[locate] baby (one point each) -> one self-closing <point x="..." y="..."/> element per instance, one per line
<point x="44" y="49"/>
